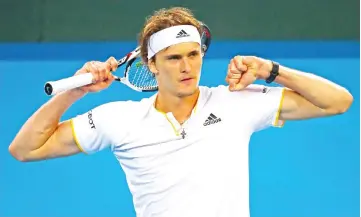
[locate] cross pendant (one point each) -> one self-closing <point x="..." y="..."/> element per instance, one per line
<point x="183" y="134"/>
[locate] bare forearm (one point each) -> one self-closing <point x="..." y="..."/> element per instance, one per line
<point x="319" y="91"/>
<point x="42" y="124"/>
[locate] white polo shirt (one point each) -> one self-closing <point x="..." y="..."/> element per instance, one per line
<point x="204" y="174"/>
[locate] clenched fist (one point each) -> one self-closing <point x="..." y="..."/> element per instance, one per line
<point x="244" y="70"/>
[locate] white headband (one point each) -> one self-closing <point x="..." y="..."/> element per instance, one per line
<point x="170" y="36"/>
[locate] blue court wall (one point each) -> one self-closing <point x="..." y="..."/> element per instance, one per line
<point x="306" y="169"/>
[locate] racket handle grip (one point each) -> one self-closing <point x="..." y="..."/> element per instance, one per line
<point x="55" y="87"/>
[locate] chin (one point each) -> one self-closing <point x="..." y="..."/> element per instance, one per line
<point x="188" y="91"/>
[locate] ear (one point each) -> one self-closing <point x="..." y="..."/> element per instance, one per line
<point x="152" y="67"/>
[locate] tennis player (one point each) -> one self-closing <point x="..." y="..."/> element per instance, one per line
<point x="184" y="150"/>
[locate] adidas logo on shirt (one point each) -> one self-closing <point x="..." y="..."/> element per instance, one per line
<point x="182" y="34"/>
<point x="212" y="119"/>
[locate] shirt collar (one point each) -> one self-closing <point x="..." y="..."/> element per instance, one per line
<point x="204" y="94"/>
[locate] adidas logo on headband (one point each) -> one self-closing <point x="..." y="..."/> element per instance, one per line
<point x="182" y="34"/>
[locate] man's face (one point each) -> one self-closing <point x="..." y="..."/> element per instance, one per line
<point x="178" y="68"/>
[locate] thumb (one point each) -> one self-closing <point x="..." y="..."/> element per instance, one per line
<point x="246" y="79"/>
<point x="233" y="84"/>
<point x="230" y="79"/>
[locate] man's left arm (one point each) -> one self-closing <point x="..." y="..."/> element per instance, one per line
<point x="310" y="96"/>
<point x="306" y="95"/>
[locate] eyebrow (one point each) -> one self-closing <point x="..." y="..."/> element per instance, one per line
<point x="178" y="56"/>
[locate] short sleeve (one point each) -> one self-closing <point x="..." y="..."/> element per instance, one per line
<point x="90" y="129"/>
<point x="266" y="103"/>
<point x="258" y="105"/>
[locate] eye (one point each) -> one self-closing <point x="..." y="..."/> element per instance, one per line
<point x="194" y="53"/>
<point x="173" y="57"/>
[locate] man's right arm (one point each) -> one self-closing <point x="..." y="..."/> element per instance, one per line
<point x="43" y="136"/>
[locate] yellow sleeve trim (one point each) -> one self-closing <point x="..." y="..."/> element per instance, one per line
<point x="276" y="121"/>
<point x="75" y="137"/>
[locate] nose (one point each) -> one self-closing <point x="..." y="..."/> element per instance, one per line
<point x="186" y="66"/>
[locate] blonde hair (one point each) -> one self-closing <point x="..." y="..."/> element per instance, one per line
<point x="162" y="19"/>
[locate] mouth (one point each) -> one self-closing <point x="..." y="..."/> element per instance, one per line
<point x="186" y="79"/>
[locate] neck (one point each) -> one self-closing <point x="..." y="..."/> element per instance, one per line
<point x="181" y="107"/>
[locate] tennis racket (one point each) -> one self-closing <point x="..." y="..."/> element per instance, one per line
<point x="136" y="75"/>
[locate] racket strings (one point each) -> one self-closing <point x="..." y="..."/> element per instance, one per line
<point x="140" y="76"/>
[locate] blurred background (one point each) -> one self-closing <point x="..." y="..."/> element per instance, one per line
<point x="306" y="169"/>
